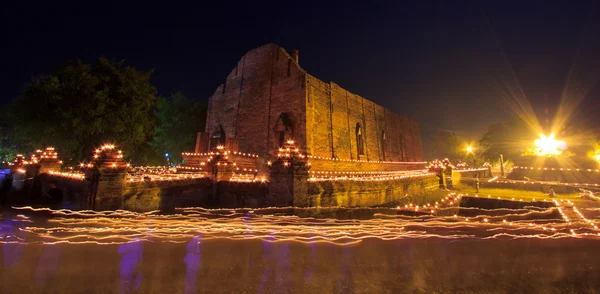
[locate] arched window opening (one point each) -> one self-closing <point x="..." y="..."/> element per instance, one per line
<point x="402" y="149"/>
<point x="217" y="137"/>
<point x="360" y="144"/>
<point x="284" y="129"/>
<point x="383" y="144"/>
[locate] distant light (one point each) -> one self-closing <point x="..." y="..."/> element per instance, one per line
<point x="547" y="145"/>
<point x="469" y="149"/>
<point x="167" y="154"/>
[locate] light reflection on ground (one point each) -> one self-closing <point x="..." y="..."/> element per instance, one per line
<point x="277" y="225"/>
<point x="285" y="250"/>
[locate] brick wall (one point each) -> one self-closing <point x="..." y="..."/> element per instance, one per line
<point x="333" y="114"/>
<point x="265" y="83"/>
<point x="148" y="196"/>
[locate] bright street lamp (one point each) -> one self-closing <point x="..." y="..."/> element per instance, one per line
<point x="469" y="149"/>
<point x="548" y="145"/>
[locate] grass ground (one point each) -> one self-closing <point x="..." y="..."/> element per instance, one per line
<point x="526" y="195"/>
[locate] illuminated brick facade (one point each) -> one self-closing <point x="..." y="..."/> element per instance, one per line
<point x="268" y="99"/>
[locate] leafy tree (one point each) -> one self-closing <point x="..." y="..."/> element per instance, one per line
<point x="81" y="106"/>
<point x="509" y="138"/>
<point x="8" y="144"/>
<point x="446" y="144"/>
<point x="179" y="120"/>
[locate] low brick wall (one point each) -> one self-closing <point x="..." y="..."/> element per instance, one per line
<point x="250" y="195"/>
<point x="76" y="193"/>
<point x="367" y="193"/>
<point x="147" y="196"/>
<point x="31" y="190"/>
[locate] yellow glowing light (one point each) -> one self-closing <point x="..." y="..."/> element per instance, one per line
<point x="547" y="145"/>
<point x="469" y="149"/>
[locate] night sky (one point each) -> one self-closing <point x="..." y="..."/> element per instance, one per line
<point x="447" y="64"/>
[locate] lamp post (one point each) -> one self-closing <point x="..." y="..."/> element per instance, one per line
<point x="501" y="166"/>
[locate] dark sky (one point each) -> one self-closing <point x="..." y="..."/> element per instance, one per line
<point x="445" y="63"/>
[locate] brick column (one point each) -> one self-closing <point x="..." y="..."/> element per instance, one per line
<point x="288" y="185"/>
<point x="222" y="171"/>
<point x="108" y="177"/>
<point x="108" y="192"/>
<point x="47" y="160"/>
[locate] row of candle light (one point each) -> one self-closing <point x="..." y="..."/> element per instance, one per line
<point x="189" y="167"/>
<point x="447" y="201"/>
<point x="370" y="179"/>
<point x="113" y="165"/>
<point x="77" y="176"/>
<point x="552" y="168"/>
<point x="220" y="153"/>
<point x="547" y="183"/>
<point x="353" y="172"/>
<point x="369" y="161"/>
<point x="240" y="178"/>
<point x="170" y="178"/>
<point x="469" y="170"/>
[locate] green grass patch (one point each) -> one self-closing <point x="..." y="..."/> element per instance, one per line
<point x="526" y="195"/>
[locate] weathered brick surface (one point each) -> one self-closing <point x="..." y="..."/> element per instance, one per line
<point x="362" y="194"/>
<point x="148" y="196"/>
<point x="267" y="82"/>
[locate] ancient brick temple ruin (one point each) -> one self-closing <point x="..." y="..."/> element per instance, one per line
<point x="275" y="136"/>
<point x="268" y="99"/>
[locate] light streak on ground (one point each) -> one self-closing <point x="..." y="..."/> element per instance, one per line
<point x="44" y="226"/>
